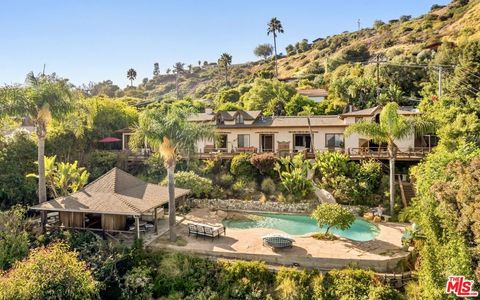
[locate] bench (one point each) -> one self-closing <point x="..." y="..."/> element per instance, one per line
<point x="205" y="230"/>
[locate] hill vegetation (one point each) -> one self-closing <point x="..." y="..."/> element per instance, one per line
<point x="429" y="40"/>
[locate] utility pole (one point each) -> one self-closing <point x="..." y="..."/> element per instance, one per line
<point x="378" y="75"/>
<point x="439" y="81"/>
<point x="358" y="23"/>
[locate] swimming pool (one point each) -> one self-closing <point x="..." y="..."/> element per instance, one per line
<point x="360" y="230"/>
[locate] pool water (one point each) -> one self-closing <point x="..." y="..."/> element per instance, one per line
<point x="360" y="230"/>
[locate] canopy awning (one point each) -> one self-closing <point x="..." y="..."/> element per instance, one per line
<point x="109" y="139"/>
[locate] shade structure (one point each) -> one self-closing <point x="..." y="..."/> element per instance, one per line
<point x="109" y="139"/>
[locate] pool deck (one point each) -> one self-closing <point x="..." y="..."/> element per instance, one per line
<point x="381" y="254"/>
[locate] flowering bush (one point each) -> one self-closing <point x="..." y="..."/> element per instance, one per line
<point x="264" y="162"/>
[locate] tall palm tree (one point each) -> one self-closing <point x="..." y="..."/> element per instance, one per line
<point x="171" y="135"/>
<point x="131" y="75"/>
<point x="224" y="62"/>
<point x="178" y="70"/>
<point x="42" y="98"/>
<point x="274" y="27"/>
<point x="308" y="112"/>
<point x="392" y="126"/>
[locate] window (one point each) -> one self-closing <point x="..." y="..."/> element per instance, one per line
<point x="239" y="119"/>
<point x="243" y="140"/>
<point x="301" y="142"/>
<point x="334" y="140"/>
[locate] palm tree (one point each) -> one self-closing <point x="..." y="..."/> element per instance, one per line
<point x="225" y="61"/>
<point x="308" y="112"/>
<point x="131" y="75"/>
<point x="274" y="27"/>
<point x="178" y="70"/>
<point x="171" y="135"/>
<point x="41" y="99"/>
<point x="392" y="126"/>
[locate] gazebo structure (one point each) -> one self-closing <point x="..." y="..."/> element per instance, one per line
<point x="110" y="202"/>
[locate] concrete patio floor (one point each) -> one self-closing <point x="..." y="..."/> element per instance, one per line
<point x="381" y="254"/>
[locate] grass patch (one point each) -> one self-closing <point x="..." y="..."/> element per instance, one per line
<point x="324" y="236"/>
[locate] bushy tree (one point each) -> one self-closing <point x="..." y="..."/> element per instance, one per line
<point x="199" y="186"/>
<point x="241" y="166"/>
<point x="270" y="96"/>
<point x="47" y="273"/>
<point x="333" y="216"/>
<point x="17" y="159"/>
<point x="298" y="103"/>
<point x="263" y="50"/>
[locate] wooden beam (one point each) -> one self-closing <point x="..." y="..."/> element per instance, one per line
<point x="137" y="226"/>
<point x="155" y="218"/>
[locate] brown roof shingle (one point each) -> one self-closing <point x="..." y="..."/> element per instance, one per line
<point x="116" y="192"/>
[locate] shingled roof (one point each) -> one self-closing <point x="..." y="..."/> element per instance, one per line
<point x="117" y="193"/>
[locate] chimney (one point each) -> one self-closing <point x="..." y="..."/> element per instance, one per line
<point x="350" y="107"/>
<point x="208" y="110"/>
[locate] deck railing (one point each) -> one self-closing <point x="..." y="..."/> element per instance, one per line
<point x="382" y="152"/>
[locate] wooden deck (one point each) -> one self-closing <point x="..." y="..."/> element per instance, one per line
<point x="415" y="154"/>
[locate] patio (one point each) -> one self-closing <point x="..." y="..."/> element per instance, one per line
<point x="381" y="254"/>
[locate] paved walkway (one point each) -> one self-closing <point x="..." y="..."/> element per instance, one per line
<point x="381" y="254"/>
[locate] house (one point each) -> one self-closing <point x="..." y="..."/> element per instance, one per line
<point x="250" y="131"/>
<point x="316" y="95"/>
<point x="110" y="204"/>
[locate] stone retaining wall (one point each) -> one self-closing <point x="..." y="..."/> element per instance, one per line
<point x="268" y="206"/>
<point x="247" y="205"/>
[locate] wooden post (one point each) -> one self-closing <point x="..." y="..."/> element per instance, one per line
<point x="137" y="226"/>
<point x="155" y="218"/>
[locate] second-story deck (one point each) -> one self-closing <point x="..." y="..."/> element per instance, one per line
<point x="413" y="154"/>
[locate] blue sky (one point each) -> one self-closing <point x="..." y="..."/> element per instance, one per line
<point x="94" y="40"/>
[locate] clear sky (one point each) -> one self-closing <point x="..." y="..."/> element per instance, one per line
<point x="94" y="40"/>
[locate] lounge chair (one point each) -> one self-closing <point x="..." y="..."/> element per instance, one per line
<point x="276" y="241"/>
<point x="205" y="230"/>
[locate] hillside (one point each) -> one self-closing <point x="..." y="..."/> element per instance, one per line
<point x="401" y="39"/>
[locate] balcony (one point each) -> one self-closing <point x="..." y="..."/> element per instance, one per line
<point x="381" y="153"/>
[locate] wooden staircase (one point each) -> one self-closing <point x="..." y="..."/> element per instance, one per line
<point x="407" y="191"/>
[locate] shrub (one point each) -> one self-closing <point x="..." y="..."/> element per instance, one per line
<point x="331" y="164"/>
<point x="243" y="187"/>
<point x="199" y="186"/>
<point x="17" y="157"/>
<point x="49" y="273"/>
<point x="348" y="284"/>
<point x="99" y="162"/>
<point x="241" y="166"/>
<point x="225" y="180"/>
<point x="179" y="273"/>
<point x="333" y="216"/>
<point x="13" y="236"/>
<point x="245" y="280"/>
<point x="154" y="169"/>
<point x="291" y="283"/>
<point x="268" y="186"/>
<point x="138" y="283"/>
<point x="324" y="236"/>
<point x="264" y="162"/>
<point x="293" y="174"/>
<point x="383" y="292"/>
<point x="369" y="175"/>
